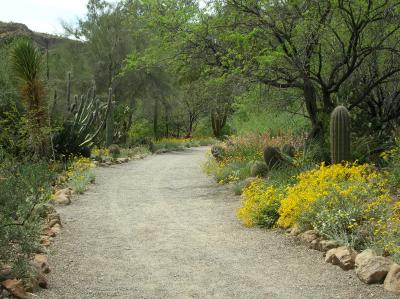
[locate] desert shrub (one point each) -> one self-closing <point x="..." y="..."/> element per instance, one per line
<point x="25" y="190"/>
<point x="135" y="152"/>
<point x="80" y="174"/>
<point x="114" y="150"/>
<point x="392" y="161"/>
<point x="259" y="168"/>
<point x="260" y="204"/>
<point x="342" y="213"/>
<point x="319" y="183"/>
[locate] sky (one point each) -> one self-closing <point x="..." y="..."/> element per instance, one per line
<point x="42" y="15"/>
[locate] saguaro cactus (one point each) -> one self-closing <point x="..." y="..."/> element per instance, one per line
<point x="340" y="130"/>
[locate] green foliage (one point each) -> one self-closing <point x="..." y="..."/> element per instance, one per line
<point x="80" y="180"/>
<point x="217" y="151"/>
<point x="289" y="150"/>
<point x="27" y="64"/>
<point x="25" y="190"/>
<point x="272" y="157"/>
<point x="84" y="121"/>
<point x="340" y="131"/>
<point x="259" y="169"/>
<point x="115" y="151"/>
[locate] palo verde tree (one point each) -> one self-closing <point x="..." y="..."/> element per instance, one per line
<point x="316" y="47"/>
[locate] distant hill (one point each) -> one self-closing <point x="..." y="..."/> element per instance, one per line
<point x="12" y="30"/>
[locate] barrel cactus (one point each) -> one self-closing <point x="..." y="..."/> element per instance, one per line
<point x="273" y="157"/>
<point x="340" y="139"/>
<point x="259" y="169"/>
<point x="114" y="150"/>
<point x="289" y="150"/>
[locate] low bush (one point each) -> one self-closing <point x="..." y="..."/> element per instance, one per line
<point x="174" y="144"/>
<point x="323" y="181"/>
<point x="80" y="174"/>
<point x="25" y="191"/>
<point x="260" y="206"/>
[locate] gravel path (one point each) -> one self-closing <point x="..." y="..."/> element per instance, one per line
<point x="160" y="228"/>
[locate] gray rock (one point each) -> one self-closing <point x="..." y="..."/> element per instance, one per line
<point x="392" y="281"/>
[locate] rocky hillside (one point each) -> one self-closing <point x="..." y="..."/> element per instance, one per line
<point x="12" y="30"/>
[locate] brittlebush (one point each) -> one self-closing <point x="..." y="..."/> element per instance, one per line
<point x="323" y="181"/>
<point x="260" y="204"/>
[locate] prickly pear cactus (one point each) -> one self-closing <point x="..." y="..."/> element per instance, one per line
<point x="340" y="130"/>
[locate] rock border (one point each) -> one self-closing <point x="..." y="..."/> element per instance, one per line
<point x="369" y="267"/>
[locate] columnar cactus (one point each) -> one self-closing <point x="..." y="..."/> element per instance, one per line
<point x="110" y="125"/>
<point x="84" y="121"/>
<point x="340" y="130"/>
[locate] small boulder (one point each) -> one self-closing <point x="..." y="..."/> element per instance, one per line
<point x="40" y="262"/>
<point x="48" y="232"/>
<point x="344" y="257"/>
<point x="122" y="160"/>
<point x="315" y="244"/>
<point x="15" y="287"/>
<point x="371" y="268"/>
<point x="53" y="220"/>
<point x="56" y="229"/>
<point x="295" y="230"/>
<point x="325" y="245"/>
<point x="309" y="236"/>
<point x="45" y="240"/>
<point x="42" y="280"/>
<point x="63" y="196"/>
<point x="392" y="281"/>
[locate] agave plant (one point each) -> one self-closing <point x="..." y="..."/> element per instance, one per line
<point x="27" y="62"/>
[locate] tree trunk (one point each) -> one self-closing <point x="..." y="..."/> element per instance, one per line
<point x="312" y="109"/>
<point x="155" y="118"/>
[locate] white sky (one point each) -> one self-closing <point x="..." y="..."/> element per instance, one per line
<point x="42" y="15"/>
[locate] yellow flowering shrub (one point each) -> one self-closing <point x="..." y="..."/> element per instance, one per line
<point x="260" y="204"/>
<point x="321" y="182"/>
<point x="387" y="230"/>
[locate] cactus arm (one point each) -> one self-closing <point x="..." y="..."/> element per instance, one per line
<point x="103" y="121"/>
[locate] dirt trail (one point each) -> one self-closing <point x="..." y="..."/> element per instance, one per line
<point x="160" y="228"/>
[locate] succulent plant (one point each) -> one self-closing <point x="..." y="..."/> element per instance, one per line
<point x="110" y="126"/>
<point x="259" y="169"/>
<point x="217" y="151"/>
<point x="273" y="157"/>
<point x="289" y="150"/>
<point x="114" y="150"/>
<point x="340" y="131"/>
<point x="84" y="121"/>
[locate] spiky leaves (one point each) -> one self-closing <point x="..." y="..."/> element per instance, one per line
<point x="27" y="66"/>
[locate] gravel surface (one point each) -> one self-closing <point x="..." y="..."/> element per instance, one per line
<point x="160" y="228"/>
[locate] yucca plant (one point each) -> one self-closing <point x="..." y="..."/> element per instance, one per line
<point x="27" y="62"/>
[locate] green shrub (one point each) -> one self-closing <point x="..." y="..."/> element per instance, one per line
<point x="115" y="151"/>
<point x="25" y="190"/>
<point x="260" y="169"/>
